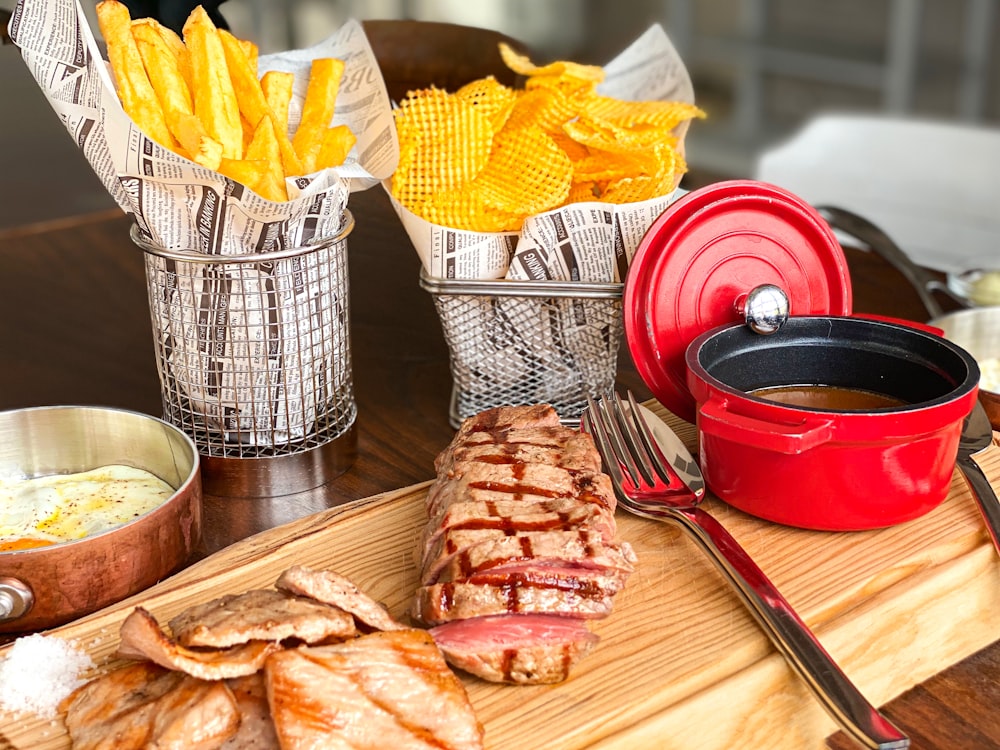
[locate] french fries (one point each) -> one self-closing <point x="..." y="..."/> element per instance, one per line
<point x="134" y="88"/>
<point x="317" y="110"/>
<point x="200" y="96"/>
<point x="164" y="69"/>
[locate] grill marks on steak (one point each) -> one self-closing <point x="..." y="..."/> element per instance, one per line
<point x="464" y="554"/>
<point x="517" y="482"/>
<point x="519" y="548"/>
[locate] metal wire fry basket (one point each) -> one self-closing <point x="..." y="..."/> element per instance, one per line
<point x="254" y="358"/>
<point x="527" y="342"/>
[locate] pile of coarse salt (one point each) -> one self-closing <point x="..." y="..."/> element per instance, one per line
<point x="38" y="672"/>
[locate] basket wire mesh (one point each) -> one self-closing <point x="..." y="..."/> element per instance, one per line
<point x="514" y="342"/>
<point x="253" y="351"/>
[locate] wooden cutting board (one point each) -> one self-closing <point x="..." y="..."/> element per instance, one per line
<point x="680" y="663"/>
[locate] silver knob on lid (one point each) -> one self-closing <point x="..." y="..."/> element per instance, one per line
<point x="766" y="308"/>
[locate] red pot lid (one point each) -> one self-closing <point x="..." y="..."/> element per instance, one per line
<point x="704" y="254"/>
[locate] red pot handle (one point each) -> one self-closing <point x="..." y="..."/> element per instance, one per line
<point x="715" y="418"/>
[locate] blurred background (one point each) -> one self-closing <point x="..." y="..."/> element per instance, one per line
<point x="761" y="68"/>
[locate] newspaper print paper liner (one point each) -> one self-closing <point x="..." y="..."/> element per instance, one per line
<point x="177" y="204"/>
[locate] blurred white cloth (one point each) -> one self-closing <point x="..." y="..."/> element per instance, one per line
<point x="933" y="187"/>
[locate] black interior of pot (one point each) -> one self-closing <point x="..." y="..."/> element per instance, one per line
<point x="891" y="359"/>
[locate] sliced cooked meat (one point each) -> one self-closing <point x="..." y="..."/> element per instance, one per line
<point x="331" y="588"/>
<point x="556" y="446"/>
<point x="383" y="690"/>
<point x="142" y="638"/>
<point x="540" y="480"/>
<point x="524" y="649"/>
<point x="260" y="615"/>
<point x="142" y="705"/>
<point x="494" y="422"/>
<point x="513" y="516"/>
<point x="591" y="582"/>
<point x="256" y="730"/>
<point x="448" y="494"/>
<point x="460" y="554"/>
<point x="444" y="602"/>
<point x="520" y="547"/>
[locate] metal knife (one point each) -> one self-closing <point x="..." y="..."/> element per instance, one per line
<point x="977" y="434"/>
<point x="674" y="450"/>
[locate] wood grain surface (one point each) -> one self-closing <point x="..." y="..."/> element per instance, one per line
<point x="680" y="663"/>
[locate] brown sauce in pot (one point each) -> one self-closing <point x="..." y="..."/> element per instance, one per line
<point x="832" y="397"/>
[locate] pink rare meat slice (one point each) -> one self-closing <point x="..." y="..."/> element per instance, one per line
<point x="523" y="649"/>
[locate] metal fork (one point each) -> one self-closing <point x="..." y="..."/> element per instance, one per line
<point x="646" y="486"/>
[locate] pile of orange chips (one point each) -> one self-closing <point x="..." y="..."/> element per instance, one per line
<point x="487" y="156"/>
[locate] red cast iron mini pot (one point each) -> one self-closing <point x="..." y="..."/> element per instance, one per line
<point x="685" y="306"/>
<point x="827" y="469"/>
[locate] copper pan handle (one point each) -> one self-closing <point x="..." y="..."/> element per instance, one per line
<point x="16" y="598"/>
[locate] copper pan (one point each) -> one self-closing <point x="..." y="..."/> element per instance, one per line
<point x="48" y="586"/>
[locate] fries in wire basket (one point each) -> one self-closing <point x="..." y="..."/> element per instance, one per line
<point x="200" y="96"/>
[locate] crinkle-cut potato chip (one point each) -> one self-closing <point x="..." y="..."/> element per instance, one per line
<point x="465" y="209"/>
<point x="661" y="115"/>
<point x="579" y="192"/>
<point x="560" y="69"/>
<point x="645" y="187"/>
<point x="549" y="109"/>
<point x="488" y="156"/>
<point x="527" y="172"/>
<point x="607" y="136"/>
<point x="604" y="166"/>
<point x="493" y="98"/>
<point x="444" y="143"/>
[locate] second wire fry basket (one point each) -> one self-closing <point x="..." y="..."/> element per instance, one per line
<point x="525" y="342"/>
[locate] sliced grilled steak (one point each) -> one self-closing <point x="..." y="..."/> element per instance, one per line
<point x="332" y="588"/>
<point x="444" y="602"/>
<point x="391" y="690"/>
<point x="513" y="516"/>
<point x="555" y="446"/>
<point x="460" y="554"/>
<point x="260" y="615"/>
<point x="524" y="649"/>
<point x="142" y="638"/>
<point x="518" y="480"/>
<point x="520" y="546"/>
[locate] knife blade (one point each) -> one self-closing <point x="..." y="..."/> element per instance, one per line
<point x="977" y="435"/>
<point x="676" y="453"/>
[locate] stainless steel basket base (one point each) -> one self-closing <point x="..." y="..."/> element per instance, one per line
<point x="270" y="476"/>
